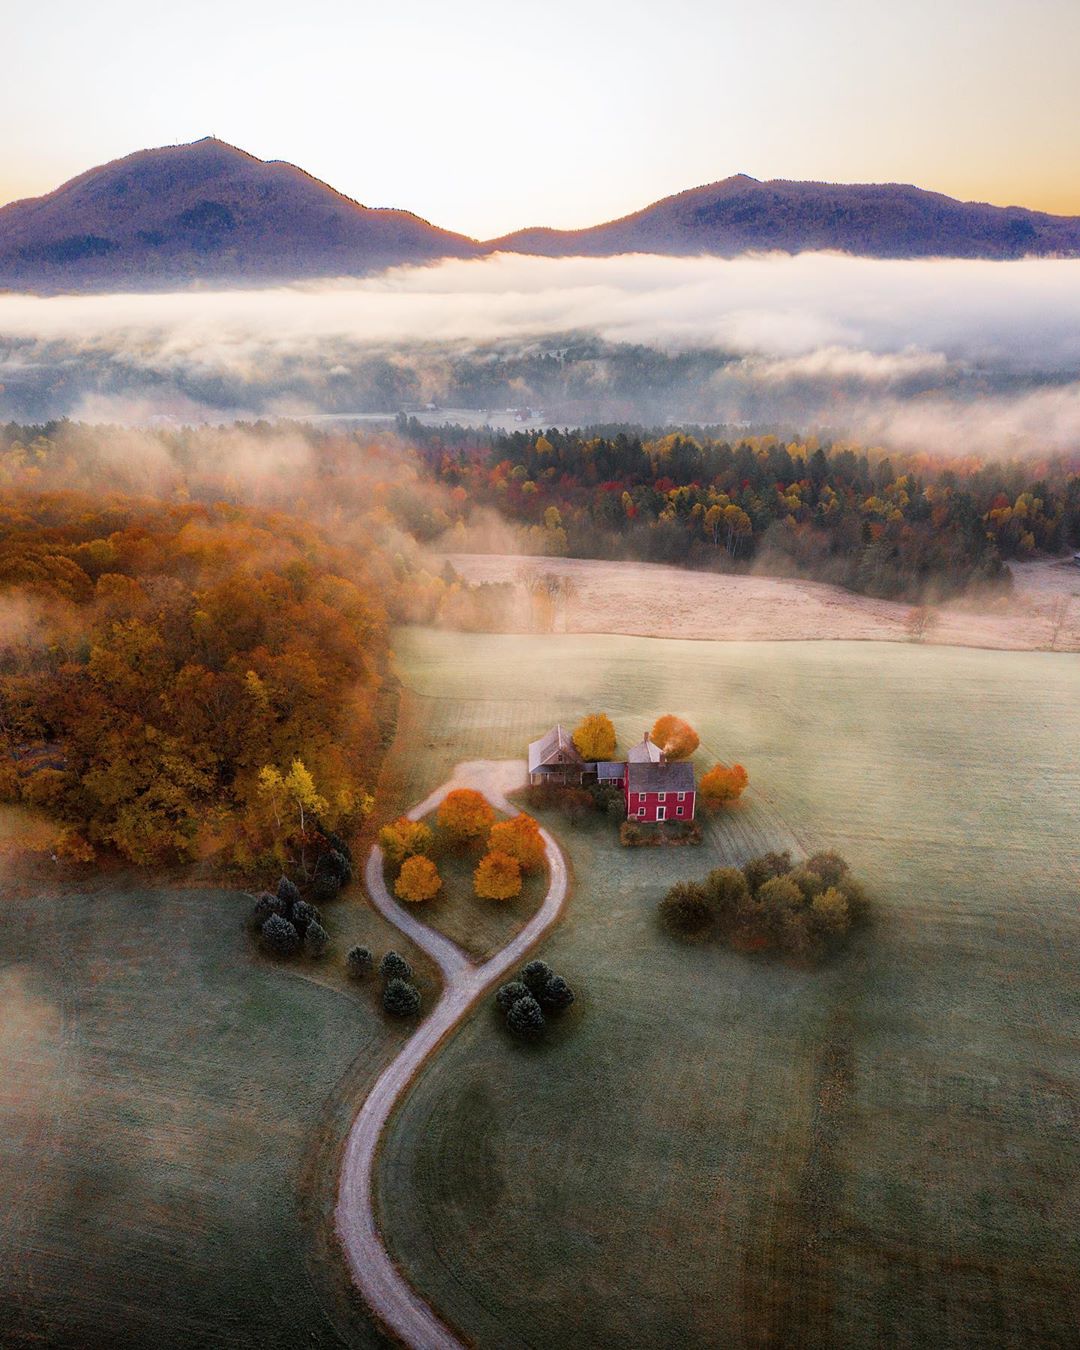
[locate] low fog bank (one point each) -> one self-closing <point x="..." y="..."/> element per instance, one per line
<point x="946" y="356"/>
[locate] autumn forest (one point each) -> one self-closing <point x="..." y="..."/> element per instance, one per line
<point x="196" y="657"/>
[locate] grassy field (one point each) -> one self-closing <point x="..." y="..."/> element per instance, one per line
<point x="171" y="1112"/>
<point x="718" y="1150"/>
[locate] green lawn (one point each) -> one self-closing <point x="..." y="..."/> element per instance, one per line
<point x="715" y="1149"/>
<point x="172" y="1108"/>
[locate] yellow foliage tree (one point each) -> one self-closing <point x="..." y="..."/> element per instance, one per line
<point x="418" y="880"/>
<point x="465" y="815"/>
<point x="676" y="738"/>
<point x="724" y="784"/>
<point x="831" y="911"/>
<point x="404" y="838"/>
<point x="595" y="737"/>
<point x="498" y="877"/>
<point x="294" y="791"/>
<point x="518" y="838"/>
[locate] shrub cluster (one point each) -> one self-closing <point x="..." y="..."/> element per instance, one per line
<point x="527" y="1001"/>
<point x="653" y="834"/>
<point x="575" y="804"/>
<point x="333" y="869"/>
<point x="286" y="922"/>
<point x="400" y="995"/>
<point x="802" y="910"/>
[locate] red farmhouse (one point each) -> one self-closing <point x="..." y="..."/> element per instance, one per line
<point x="659" y="791"/>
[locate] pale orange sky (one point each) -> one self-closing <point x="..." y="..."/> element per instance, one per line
<point x="486" y="117"/>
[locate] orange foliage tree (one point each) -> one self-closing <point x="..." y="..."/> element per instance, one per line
<point x="404" y="838"/>
<point x="418" y="880"/>
<point x="519" y="838"/>
<point x="204" y="679"/>
<point x="498" y="877"/>
<point x="595" y="737"/>
<point x="465" y="815"/>
<point x="676" y="738"/>
<point x="723" y="784"/>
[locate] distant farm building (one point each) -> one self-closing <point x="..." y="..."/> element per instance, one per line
<point x="645" y="752"/>
<point x="554" y="759"/>
<point x="652" y="788"/>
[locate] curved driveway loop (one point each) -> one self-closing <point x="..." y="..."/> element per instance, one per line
<point x="391" y="1297"/>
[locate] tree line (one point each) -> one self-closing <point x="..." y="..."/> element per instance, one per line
<point x="909" y="526"/>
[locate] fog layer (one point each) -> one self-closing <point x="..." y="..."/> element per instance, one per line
<point x="942" y="353"/>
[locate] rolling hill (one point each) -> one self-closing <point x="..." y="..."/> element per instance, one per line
<point x="209" y="214"/>
<point x="204" y="212"/>
<point x="740" y="215"/>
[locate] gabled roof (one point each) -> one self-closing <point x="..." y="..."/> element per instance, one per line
<point x="553" y="749"/>
<point x="645" y="752"/>
<point x="677" y="777"/>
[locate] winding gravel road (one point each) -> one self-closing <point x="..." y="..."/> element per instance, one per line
<point x="391" y="1297"/>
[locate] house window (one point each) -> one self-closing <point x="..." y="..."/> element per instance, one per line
<point x="678" y="810"/>
<point x="662" y="796"/>
<point x="641" y="810"/>
<point x="682" y="796"/>
<point x="641" y="796"/>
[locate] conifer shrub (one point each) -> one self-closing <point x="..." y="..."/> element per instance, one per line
<point x="401" y="998"/>
<point x="536" y="975"/>
<point x="393" y="966"/>
<point x="359" y="961"/>
<point x="508" y="994"/>
<point x="280" y="936"/>
<point x="556" y="994"/>
<point x="316" y="939"/>
<point x="288" y="892"/>
<point x="525" y="1017"/>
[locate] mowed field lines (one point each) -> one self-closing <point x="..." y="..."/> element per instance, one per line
<point x="714" y="1149"/>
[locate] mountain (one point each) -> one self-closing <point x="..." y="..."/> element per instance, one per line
<point x="210" y="214"/>
<point x="741" y="214"/>
<point x="204" y="212"/>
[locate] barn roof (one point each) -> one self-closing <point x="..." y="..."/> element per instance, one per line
<point x="678" y="777"/>
<point x="554" y="748"/>
<point x="646" y="751"/>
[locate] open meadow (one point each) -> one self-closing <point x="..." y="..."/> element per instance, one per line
<point x="718" y="1149"/>
<point x="172" y="1107"/>
<point x="1042" y="613"/>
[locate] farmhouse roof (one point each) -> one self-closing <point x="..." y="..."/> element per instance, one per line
<point x="610" y="768"/>
<point x="645" y="752"/>
<point x="678" y="777"/>
<point x="554" y="748"/>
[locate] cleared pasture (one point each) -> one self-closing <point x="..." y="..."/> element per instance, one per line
<point x="171" y="1113"/>
<point x="718" y="1150"/>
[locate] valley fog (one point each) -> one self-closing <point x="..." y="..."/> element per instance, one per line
<point x="942" y="355"/>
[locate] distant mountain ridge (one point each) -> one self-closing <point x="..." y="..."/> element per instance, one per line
<point x="204" y="213"/>
<point x="876" y="220"/>
<point x="209" y="214"/>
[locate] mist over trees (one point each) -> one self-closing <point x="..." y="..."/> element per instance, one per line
<point x="896" y="526"/>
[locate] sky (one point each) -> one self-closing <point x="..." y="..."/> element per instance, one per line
<point x="485" y="117"/>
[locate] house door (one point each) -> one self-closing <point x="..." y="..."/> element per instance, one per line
<point x="661" y="813"/>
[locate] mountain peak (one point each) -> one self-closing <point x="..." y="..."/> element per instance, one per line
<point x="204" y="211"/>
